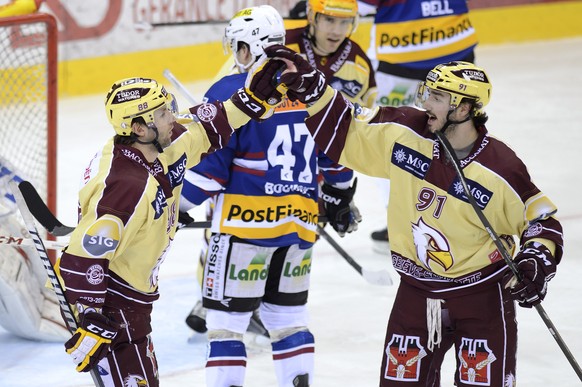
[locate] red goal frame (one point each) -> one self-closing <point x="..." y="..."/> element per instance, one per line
<point x="18" y="39"/>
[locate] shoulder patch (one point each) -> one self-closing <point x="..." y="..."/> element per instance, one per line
<point x="206" y="112"/>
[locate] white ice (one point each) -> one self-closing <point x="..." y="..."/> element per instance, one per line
<point x="536" y="108"/>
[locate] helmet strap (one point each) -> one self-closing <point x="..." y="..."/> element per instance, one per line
<point x="450" y="122"/>
<point x="244" y="68"/>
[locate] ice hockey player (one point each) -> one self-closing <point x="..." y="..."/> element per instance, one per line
<point x="265" y="192"/>
<point x="128" y="212"/>
<point x="408" y="39"/>
<point x="325" y="41"/>
<point x="455" y="289"/>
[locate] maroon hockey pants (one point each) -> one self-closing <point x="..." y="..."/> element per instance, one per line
<point x="481" y="327"/>
<point x="132" y="362"/>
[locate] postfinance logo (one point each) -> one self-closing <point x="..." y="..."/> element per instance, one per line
<point x="421" y="40"/>
<point x="102" y="236"/>
<point x="265" y="217"/>
<point x="256" y="270"/>
<point x="243" y="209"/>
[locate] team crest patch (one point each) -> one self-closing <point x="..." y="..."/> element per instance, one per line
<point x="206" y="112"/>
<point x="533" y="230"/>
<point x="475" y="358"/>
<point x="95" y="274"/>
<point x="102" y="237"/>
<point x="404" y="355"/>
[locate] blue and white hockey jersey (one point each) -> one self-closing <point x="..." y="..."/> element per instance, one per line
<point x="266" y="179"/>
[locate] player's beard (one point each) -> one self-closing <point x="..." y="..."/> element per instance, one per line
<point x="166" y="141"/>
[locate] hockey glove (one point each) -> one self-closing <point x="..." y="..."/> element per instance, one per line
<point x="536" y="266"/>
<point x="184" y="219"/>
<point x="341" y="213"/>
<point x="307" y="84"/>
<point x="259" y="97"/>
<point x="90" y="342"/>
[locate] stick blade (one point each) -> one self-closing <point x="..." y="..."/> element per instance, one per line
<point x="380" y="277"/>
<point x="40" y="211"/>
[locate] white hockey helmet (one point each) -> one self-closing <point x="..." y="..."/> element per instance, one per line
<point x="259" y="27"/>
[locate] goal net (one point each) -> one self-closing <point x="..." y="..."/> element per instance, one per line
<point x="28" y="104"/>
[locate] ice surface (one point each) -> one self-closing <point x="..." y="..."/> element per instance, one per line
<point x="535" y="108"/>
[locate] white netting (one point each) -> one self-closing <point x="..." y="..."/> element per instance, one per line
<point x="24" y="102"/>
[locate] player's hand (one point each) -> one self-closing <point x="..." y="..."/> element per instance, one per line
<point x="340" y="210"/>
<point x="259" y="97"/>
<point x="184" y="219"/>
<point x="305" y="83"/>
<point x="91" y="341"/>
<point x="536" y="266"/>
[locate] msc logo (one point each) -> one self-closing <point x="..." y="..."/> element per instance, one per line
<point x="481" y="194"/>
<point x="177" y="171"/>
<point x="410" y="160"/>
<point x="103" y="236"/>
<point x="159" y="203"/>
<point x="350" y="88"/>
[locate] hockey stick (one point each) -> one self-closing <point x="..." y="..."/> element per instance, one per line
<point x="178" y="85"/>
<point x="67" y="312"/>
<point x="41" y="212"/>
<point x="48" y="220"/>
<point x="146" y="26"/>
<point x="506" y="256"/>
<point x="12" y="241"/>
<point x="381" y="277"/>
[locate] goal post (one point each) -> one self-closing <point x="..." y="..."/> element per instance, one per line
<point x="28" y="102"/>
<point x="28" y="151"/>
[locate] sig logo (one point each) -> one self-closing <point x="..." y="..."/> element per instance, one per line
<point x="103" y="236"/>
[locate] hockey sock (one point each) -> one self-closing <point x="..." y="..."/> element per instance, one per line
<point x="226" y="363"/>
<point x="293" y="356"/>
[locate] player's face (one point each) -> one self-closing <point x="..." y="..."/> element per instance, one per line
<point x="330" y="32"/>
<point x="164" y="121"/>
<point x="437" y="105"/>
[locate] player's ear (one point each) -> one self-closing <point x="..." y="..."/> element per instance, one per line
<point x="246" y="53"/>
<point x="138" y="129"/>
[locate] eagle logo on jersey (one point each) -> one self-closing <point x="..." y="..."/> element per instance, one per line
<point x="431" y="245"/>
<point x="135" y="381"/>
